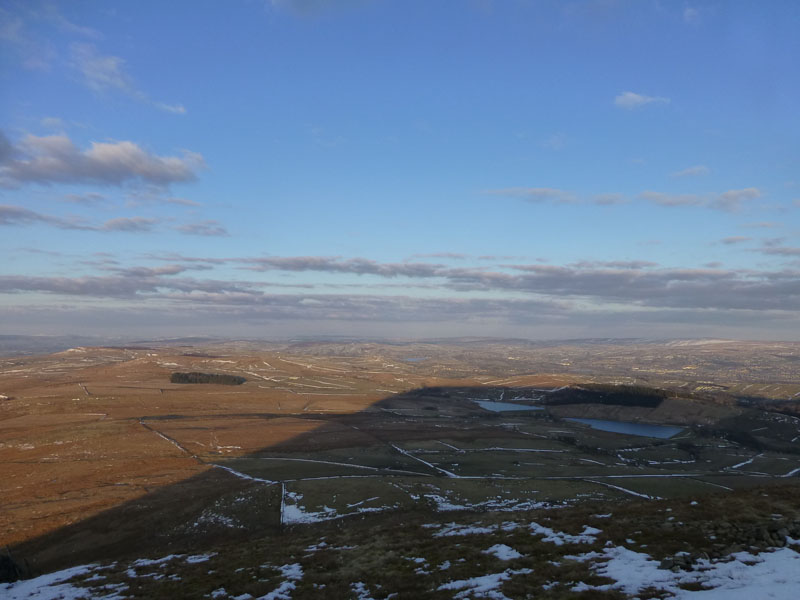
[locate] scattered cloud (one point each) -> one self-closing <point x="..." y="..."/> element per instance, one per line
<point x="736" y="239"/>
<point x="691" y="15"/>
<point x="131" y="224"/>
<point x="33" y="54"/>
<point x="632" y="100"/>
<point x="56" y="159"/>
<point x="762" y="225"/>
<point x="450" y="255"/>
<point x="88" y="198"/>
<point x="503" y="257"/>
<point x="355" y="266"/>
<point x="209" y="228"/>
<point x="51" y="13"/>
<point x="104" y="73"/>
<point x="182" y="202"/>
<point x="694" y="171"/>
<point x="672" y="199"/>
<point x="730" y="201"/>
<point x="16" y="215"/>
<point x="552" y="287"/>
<point x="148" y="272"/>
<point x="534" y="194"/>
<point x="609" y="199"/>
<point x="126" y="285"/>
<point x="615" y="264"/>
<point x="177" y="109"/>
<point x="635" y="283"/>
<point x="781" y="251"/>
<point x="773" y="242"/>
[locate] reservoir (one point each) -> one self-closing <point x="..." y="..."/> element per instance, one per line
<point x="504" y="406"/>
<point x="643" y="429"/>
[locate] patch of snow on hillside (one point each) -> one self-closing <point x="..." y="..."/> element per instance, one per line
<point x="294" y="513"/>
<point x="51" y="587"/>
<point x="198" y="558"/>
<point x="147" y="562"/>
<point x="485" y="586"/>
<point x="361" y="591"/>
<point x="587" y="536"/>
<point x="503" y="552"/>
<point x="502" y="505"/>
<point x="292" y="573"/>
<point x="456" y="529"/>
<point x="769" y="575"/>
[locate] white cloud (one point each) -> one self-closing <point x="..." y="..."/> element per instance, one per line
<point x="55" y="158"/>
<point x="631" y="100"/>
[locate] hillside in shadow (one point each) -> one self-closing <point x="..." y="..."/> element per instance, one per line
<point x="152" y="524"/>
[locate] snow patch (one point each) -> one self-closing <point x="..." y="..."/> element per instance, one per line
<point x="292" y="573"/>
<point x="51" y="587"/>
<point x="587" y="536"/>
<point x="503" y="552"/>
<point x="769" y="575"/>
<point x="485" y="586"/>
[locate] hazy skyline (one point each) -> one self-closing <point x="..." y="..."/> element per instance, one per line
<point x="594" y="168"/>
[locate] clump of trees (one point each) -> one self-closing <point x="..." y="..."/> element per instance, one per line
<point x="219" y="379"/>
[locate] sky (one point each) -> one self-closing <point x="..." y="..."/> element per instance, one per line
<point x="404" y="169"/>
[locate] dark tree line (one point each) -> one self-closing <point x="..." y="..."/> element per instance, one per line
<point x="616" y="395"/>
<point x="207" y="378"/>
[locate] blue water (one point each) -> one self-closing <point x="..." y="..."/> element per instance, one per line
<point x="643" y="429"/>
<point x="504" y="406"/>
<point x="415" y="359"/>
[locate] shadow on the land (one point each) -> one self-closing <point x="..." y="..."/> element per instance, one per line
<point x="161" y="521"/>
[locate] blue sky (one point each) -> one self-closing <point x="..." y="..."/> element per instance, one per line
<point x="588" y="168"/>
